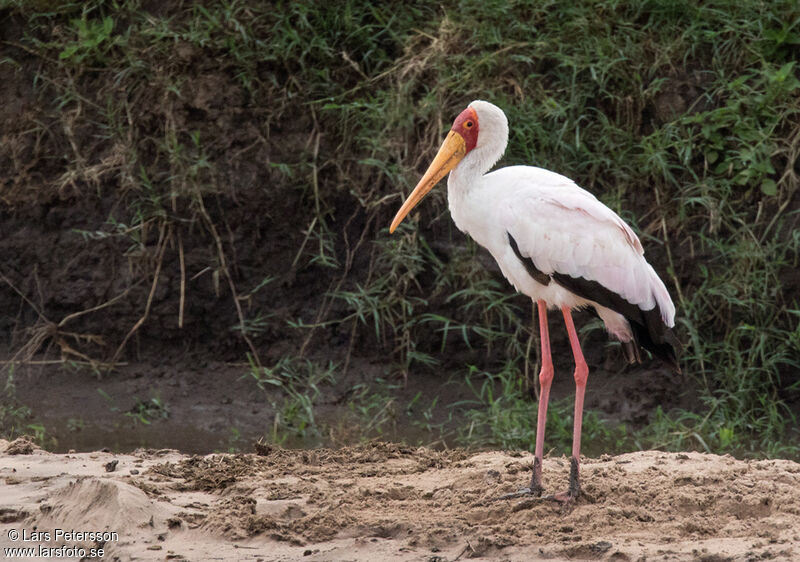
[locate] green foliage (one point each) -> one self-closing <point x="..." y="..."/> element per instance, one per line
<point x="91" y="41"/>
<point x="13" y="414"/>
<point x="374" y="407"/>
<point x="501" y="415"/>
<point x="15" y="417"/>
<point x="300" y="382"/>
<point x="682" y="116"/>
<point x="148" y="411"/>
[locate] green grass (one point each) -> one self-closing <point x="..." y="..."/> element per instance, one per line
<point x="300" y="384"/>
<point x="16" y="418"/>
<point x="501" y="414"/>
<point x="146" y="412"/>
<point x="682" y="116"/>
<point x="13" y="414"/>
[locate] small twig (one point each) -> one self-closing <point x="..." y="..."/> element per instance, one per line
<point x="224" y="265"/>
<point x="466" y="548"/>
<point x="80" y="313"/>
<point x="528" y="381"/>
<point x="61" y="362"/>
<point x="183" y="280"/>
<point x="162" y="245"/>
<point x="8" y="282"/>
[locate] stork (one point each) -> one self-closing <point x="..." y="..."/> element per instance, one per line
<point x="556" y="243"/>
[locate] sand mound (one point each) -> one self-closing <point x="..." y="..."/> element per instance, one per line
<point x="99" y="504"/>
<point x="20" y="446"/>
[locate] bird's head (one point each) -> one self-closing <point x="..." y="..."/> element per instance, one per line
<point x="481" y="129"/>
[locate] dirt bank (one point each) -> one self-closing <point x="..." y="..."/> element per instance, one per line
<point x="383" y="501"/>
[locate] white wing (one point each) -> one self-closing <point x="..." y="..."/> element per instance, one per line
<point x="565" y="229"/>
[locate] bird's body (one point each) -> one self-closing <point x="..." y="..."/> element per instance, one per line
<point x="564" y="230"/>
<point x="556" y="243"/>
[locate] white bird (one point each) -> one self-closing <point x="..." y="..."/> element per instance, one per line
<point x="556" y="243"/>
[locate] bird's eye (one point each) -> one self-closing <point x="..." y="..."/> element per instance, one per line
<point x="468" y="124"/>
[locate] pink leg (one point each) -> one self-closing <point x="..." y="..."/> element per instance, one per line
<point x="581" y="375"/>
<point x="545" y="379"/>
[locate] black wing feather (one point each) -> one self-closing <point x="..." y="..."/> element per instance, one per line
<point x="649" y="329"/>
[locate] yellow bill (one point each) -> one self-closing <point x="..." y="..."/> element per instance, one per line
<point x="452" y="151"/>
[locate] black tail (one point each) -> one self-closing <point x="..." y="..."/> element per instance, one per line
<point x="649" y="329"/>
<point x="656" y="337"/>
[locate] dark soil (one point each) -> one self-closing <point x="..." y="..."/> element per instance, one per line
<point x="211" y="406"/>
<point x="154" y="297"/>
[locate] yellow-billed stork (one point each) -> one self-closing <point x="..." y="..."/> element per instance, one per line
<point x="556" y="243"/>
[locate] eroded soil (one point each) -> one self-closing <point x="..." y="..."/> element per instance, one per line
<point x="383" y="501"/>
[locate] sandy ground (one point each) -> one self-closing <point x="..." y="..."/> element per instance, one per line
<point x="390" y="502"/>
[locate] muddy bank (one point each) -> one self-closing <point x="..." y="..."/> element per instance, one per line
<point x="211" y="407"/>
<point x="385" y="501"/>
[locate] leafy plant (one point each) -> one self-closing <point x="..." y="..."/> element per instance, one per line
<point x="13" y="414"/>
<point x="300" y="382"/>
<point x="501" y="415"/>
<point x="148" y="411"/>
<point x="92" y="40"/>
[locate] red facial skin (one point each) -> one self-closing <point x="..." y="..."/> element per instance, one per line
<point x="466" y="125"/>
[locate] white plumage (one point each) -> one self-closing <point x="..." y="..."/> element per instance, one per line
<point x="558" y="225"/>
<point x="556" y="243"/>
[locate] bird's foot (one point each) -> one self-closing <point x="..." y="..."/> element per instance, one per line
<point x="574" y="490"/>
<point x="535" y="490"/>
<point x="522" y="493"/>
<point x="563" y="498"/>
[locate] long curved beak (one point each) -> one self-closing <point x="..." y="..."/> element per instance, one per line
<point x="451" y="152"/>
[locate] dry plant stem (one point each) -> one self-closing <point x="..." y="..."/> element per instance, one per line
<point x="182" y="302"/>
<point x="531" y="335"/>
<point x="224" y="265"/>
<point x="162" y="245"/>
<point x="182" y="262"/>
<point x="350" y="252"/>
<point x="47" y="329"/>
<point x="671" y="263"/>
<point x="308" y="232"/>
<point x="780" y="211"/>
<point x="89" y="363"/>
<point x="315" y="184"/>
<point x="336" y="285"/>
<point x="315" y="178"/>
<point x="106" y="304"/>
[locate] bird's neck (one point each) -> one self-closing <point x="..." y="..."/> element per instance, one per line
<point x="464" y="187"/>
<point x="466" y="179"/>
<point x="467" y="175"/>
